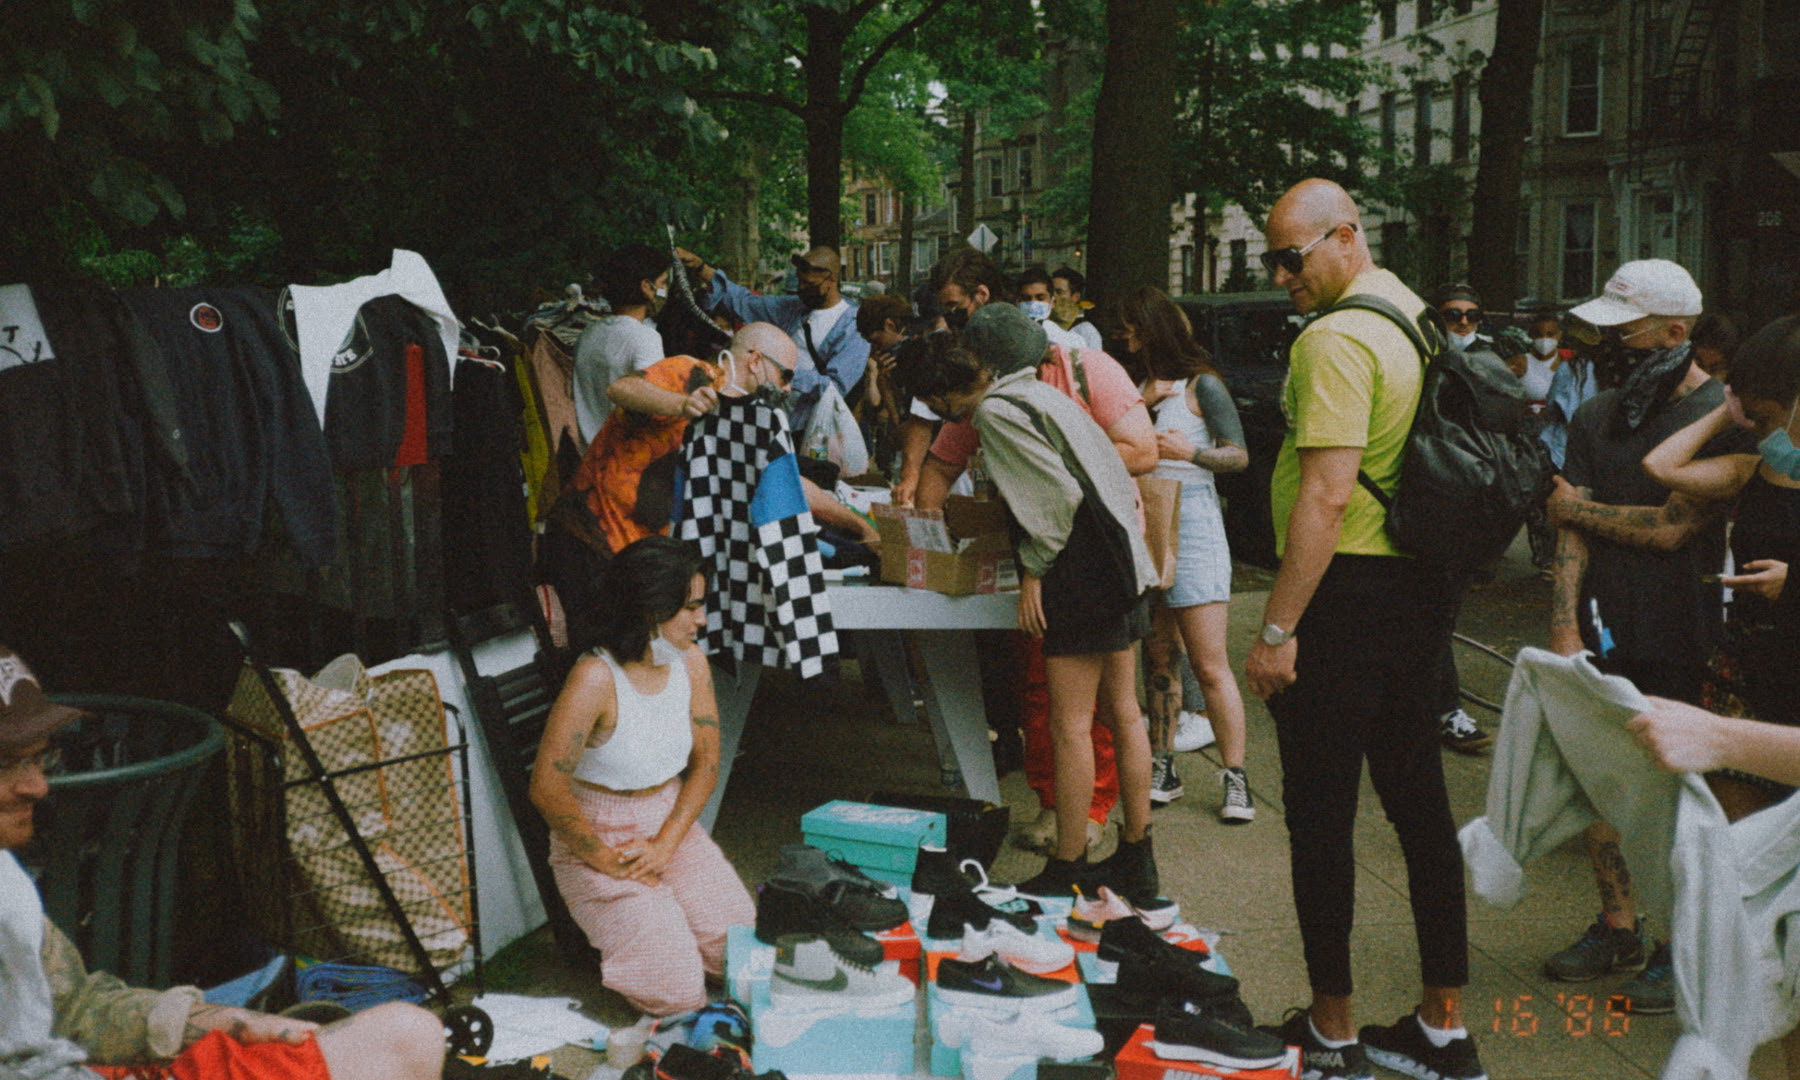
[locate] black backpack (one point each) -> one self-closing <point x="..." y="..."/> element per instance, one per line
<point x="1473" y="468"/>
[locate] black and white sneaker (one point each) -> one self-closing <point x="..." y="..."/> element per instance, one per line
<point x="1318" y="1061"/>
<point x="1403" y="1047"/>
<point x="1165" y="785"/>
<point x="1235" y="806"/>
<point x="994" y="984"/>
<point x="1459" y="732"/>
<point x="1205" y="1036"/>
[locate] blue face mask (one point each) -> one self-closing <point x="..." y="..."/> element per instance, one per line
<point x="1779" y="451"/>
<point x="1037" y="309"/>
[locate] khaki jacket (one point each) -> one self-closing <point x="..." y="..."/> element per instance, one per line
<point x="116" y="1024"/>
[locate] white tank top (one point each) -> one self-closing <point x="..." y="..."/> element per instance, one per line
<point x="652" y="734"/>
<point x="1172" y="414"/>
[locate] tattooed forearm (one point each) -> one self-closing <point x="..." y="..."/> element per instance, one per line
<point x="576" y="832"/>
<point x="708" y="720"/>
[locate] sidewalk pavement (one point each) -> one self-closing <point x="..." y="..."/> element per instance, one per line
<point x="808" y="745"/>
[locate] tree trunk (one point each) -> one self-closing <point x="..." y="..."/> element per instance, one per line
<point x="740" y="240"/>
<point x="1133" y="174"/>
<point x="823" y="118"/>
<point x="965" y="184"/>
<point x="903" y="263"/>
<point x="1506" y="81"/>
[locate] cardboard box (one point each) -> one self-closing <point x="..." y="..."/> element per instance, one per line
<point x="1138" y="1062"/>
<point x="749" y="964"/>
<point x="881" y="841"/>
<point x="838" y="1042"/>
<point x="946" y="1060"/>
<point x="964" y="549"/>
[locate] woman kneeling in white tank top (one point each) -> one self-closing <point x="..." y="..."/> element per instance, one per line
<point x="628" y="760"/>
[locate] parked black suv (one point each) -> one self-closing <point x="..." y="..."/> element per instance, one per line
<point x="1248" y="335"/>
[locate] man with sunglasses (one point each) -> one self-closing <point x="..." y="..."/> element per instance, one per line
<point x="58" y="1021"/>
<point x="1632" y="558"/>
<point x="1338" y="658"/>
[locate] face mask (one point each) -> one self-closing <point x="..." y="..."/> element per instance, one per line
<point x="957" y="318"/>
<point x="1545" y="346"/>
<point x="1462" y="341"/>
<point x="1779" y="451"/>
<point x="1037" y="309"/>
<point x="813" y="296"/>
<point x="728" y="361"/>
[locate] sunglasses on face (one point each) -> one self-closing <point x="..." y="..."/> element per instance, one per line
<point x="1293" y="259"/>
<point x="1456" y="315"/>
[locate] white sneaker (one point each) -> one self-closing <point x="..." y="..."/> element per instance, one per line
<point x="1027" y="952"/>
<point x="1088" y="918"/>
<point x="1192" y="732"/>
<point x="809" y="975"/>
<point x="1034" y="1034"/>
<point x="995" y="1066"/>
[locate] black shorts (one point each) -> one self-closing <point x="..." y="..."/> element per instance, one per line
<point x="1082" y="637"/>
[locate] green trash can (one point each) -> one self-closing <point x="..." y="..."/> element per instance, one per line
<point x="108" y="839"/>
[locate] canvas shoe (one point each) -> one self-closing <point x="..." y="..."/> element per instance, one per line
<point x="1404" y="1048"/>
<point x="1192" y="732"/>
<point x="1165" y="784"/>
<point x="1236" y="804"/>
<point x="1603" y="950"/>
<point x="1318" y="1061"/>
<point x="1458" y="731"/>
<point x="809" y="974"/>
<point x="994" y="984"/>
<point x="1033" y="953"/>
<point x="1204" y="1035"/>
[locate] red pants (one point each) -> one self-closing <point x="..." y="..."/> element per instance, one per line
<point x="1040" y="767"/>
<point x="218" y="1056"/>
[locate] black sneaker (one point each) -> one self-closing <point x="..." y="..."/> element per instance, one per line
<point x="995" y="984"/>
<point x="1318" y="1061"/>
<point x="781" y="911"/>
<point x="1203" y="1035"/>
<point x="803" y="864"/>
<point x="1161" y="980"/>
<point x="1059" y="877"/>
<point x="1458" y="731"/>
<point x="1603" y="950"/>
<point x="1165" y="785"/>
<point x="1235" y="804"/>
<point x="1403" y="1047"/>
<point x="935" y="872"/>
<point x="1120" y="938"/>
<point x="1130" y="870"/>
<point x="951" y="911"/>
<point x="1652" y="993"/>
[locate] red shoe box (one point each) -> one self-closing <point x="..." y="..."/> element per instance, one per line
<point x="1137" y="1062"/>
<point x="902" y="944"/>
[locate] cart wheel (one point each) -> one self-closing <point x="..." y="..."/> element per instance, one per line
<point x="469" y="1030"/>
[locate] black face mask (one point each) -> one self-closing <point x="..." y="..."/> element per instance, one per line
<point x="1649" y="385"/>
<point x="957" y="318"/>
<point x="813" y="296"/>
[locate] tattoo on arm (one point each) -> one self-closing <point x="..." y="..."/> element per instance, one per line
<point x="708" y="720"/>
<point x="576" y="832"/>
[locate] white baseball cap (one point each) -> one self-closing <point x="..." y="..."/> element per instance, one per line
<point x="1639" y="288"/>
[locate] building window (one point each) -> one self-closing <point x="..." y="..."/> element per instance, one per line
<point x="1237" y="277"/>
<point x="1388" y="103"/>
<point x="1656" y="228"/>
<point x="1522" y="250"/>
<point x="1427" y="14"/>
<point x="1581" y="93"/>
<point x="1422" y="93"/>
<point x="996" y="177"/>
<point x="1459" y="117"/>
<point x="1396" y="252"/>
<point x="871" y="211"/>
<point x="1578" y="250"/>
<point x="1389" y="19"/>
<point x="1025" y="178"/>
<point x="1187" y="268"/>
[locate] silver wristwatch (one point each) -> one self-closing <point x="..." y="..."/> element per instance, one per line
<point x="1274" y="636"/>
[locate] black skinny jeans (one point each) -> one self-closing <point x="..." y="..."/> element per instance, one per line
<point x="1365" y="691"/>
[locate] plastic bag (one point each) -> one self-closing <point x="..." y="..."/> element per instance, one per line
<point x="832" y="434"/>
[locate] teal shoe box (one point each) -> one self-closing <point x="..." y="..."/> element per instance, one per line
<point x="749" y="964"/>
<point x="851" y="1042"/>
<point x="881" y="841"/>
<point x="946" y="1060"/>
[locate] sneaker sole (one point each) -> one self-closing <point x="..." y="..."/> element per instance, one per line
<point x="1474" y="747"/>
<point x="1040" y="1003"/>
<point x="1165" y="796"/>
<point x="1400" y="1063"/>
<point x="1023" y="963"/>
<point x="1237" y="814"/>
<point x="1183" y="1052"/>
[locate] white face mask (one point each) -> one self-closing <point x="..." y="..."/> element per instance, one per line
<point x="1545" y="346"/>
<point x="1462" y="341"/>
<point x="662" y="294"/>
<point x="1037" y="309"/>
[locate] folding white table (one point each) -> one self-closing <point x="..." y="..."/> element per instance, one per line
<point x="942" y="629"/>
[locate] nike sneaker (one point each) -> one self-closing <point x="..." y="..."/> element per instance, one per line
<point x="781" y="911"/>
<point x="1317" y="1060"/>
<point x="1205" y="1036"/>
<point x="809" y="974"/>
<point x="1404" y="1047"/>
<point x="1032" y="953"/>
<point x="809" y="866"/>
<point x="994" y="984"/>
